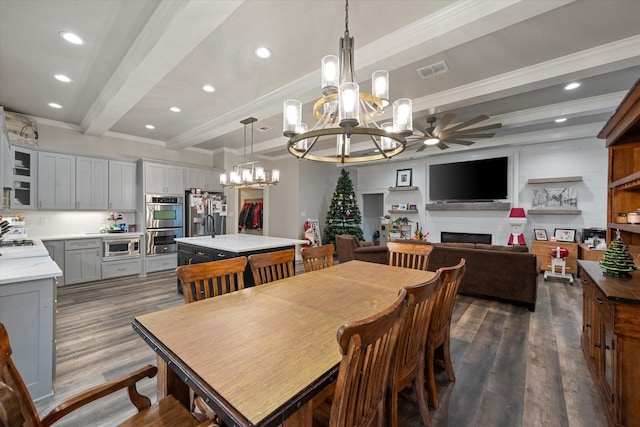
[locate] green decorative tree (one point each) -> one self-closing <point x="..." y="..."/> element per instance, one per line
<point x="343" y="216"/>
<point x="616" y="261"/>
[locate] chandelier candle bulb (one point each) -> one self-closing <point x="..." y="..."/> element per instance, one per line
<point x="223" y="178"/>
<point x="402" y="120"/>
<point x="348" y="104"/>
<point x="275" y="175"/>
<point x="292" y="117"/>
<point x="380" y="86"/>
<point x="330" y="75"/>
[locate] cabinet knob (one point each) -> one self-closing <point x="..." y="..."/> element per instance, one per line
<point x="598" y="300"/>
<point x="597" y="345"/>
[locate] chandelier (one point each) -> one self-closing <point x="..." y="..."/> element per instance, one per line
<point x="249" y="174"/>
<point x="344" y="114"/>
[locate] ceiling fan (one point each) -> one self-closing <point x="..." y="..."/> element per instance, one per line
<point x="439" y="134"/>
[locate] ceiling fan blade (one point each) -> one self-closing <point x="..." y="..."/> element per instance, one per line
<point x="443" y="123"/>
<point x="441" y="145"/>
<point x="473" y="121"/>
<point x="419" y="127"/>
<point x="460" y="141"/>
<point x="469" y="135"/>
<point x="477" y="129"/>
<point x="421" y="148"/>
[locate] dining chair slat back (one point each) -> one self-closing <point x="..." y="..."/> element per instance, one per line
<point x="367" y="347"/>
<point x="272" y="266"/>
<point x="317" y="258"/>
<point x="209" y="279"/>
<point x="16" y="402"/>
<point x="409" y="359"/>
<point x="439" y="335"/>
<point x="409" y="255"/>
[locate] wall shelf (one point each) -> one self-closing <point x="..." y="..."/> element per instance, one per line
<point x="406" y="211"/>
<point x="554" y="212"/>
<point x="554" y="180"/>
<point x="469" y="206"/>
<point x="402" y="188"/>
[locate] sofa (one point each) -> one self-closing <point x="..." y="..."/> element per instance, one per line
<point x="349" y="247"/>
<point x="503" y="272"/>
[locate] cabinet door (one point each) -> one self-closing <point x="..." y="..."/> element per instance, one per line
<point x="82" y="265"/>
<point x="122" y="185"/>
<point x="608" y="357"/>
<point x="195" y="178"/>
<point x="56" y="181"/>
<point x="154" y="178"/>
<point x="212" y="180"/>
<point x="56" y="252"/>
<point x="91" y="183"/>
<point x="24" y="167"/>
<point x="175" y="179"/>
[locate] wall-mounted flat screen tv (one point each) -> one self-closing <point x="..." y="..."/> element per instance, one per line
<point x="476" y="180"/>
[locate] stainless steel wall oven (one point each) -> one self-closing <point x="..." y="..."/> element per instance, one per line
<point x="164" y="221"/>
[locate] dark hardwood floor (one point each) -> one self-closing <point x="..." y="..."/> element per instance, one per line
<point x="513" y="367"/>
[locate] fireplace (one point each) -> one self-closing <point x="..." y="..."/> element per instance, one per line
<point x="449" y="237"/>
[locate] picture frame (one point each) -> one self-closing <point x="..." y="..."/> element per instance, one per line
<point x="404" y="178"/>
<point x="540" y="234"/>
<point x="394" y="207"/>
<point x="564" y="234"/>
<point x="402" y="207"/>
<point x="413" y="207"/>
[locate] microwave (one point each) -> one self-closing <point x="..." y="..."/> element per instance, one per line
<point x="116" y="249"/>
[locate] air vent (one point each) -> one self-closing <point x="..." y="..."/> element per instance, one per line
<point x="433" y="69"/>
<point x="263" y="128"/>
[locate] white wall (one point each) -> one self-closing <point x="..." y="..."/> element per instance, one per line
<point x="585" y="157"/>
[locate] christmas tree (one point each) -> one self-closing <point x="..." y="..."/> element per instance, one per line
<point x="343" y="216"/>
<point x="616" y="261"/>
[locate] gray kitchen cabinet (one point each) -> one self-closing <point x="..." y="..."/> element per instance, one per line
<point x="129" y="267"/>
<point x="92" y="183"/>
<point x="56" y="252"/>
<point x="161" y="262"/>
<point x="82" y="260"/>
<point x="27" y="312"/>
<point x="205" y="179"/>
<point x="24" y="183"/>
<point x="56" y="181"/>
<point x="163" y="179"/>
<point x="122" y="185"/>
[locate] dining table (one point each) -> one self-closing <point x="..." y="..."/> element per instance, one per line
<point x="259" y="356"/>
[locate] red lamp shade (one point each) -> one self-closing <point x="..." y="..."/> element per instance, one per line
<point x="517" y="213"/>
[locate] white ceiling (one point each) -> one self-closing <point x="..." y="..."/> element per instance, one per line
<point x="508" y="59"/>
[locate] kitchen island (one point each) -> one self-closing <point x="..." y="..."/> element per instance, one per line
<point x="27" y="310"/>
<point x="194" y="250"/>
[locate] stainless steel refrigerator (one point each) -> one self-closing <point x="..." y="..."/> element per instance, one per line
<point x="200" y="208"/>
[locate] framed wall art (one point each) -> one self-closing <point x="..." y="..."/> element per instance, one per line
<point x="403" y="178"/>
<point x="540" y="234"/>
<point x="564" y="235"/>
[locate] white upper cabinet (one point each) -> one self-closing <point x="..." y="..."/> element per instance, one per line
<point x="205" y="179"/>
<point x="92" y="183"/>
<point x="163" y="179"/>
<point x="56" y="181"/>
<point x="122" y="185"/>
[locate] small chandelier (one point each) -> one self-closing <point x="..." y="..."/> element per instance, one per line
<point x="344" y="111"/>
<point x="249" y="174"/>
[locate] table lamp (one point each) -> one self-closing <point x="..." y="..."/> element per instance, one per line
<point x="517" y="218"/>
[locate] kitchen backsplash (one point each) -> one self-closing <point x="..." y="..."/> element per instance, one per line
<point x="57" y="223"/>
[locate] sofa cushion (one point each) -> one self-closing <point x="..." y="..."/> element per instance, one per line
<point x="457" y="245"/>
<point x="514" y="248"/>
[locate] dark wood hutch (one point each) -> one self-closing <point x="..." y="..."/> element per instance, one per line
<point x="611" y="306"/>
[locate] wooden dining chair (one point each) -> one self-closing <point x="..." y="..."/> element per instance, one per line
<point x="272" y="266"/>
<point x="208" y="279"/>
<point x="367" y="347"/>
<point x="14" y="392"/>
<point x="439" y="335"/>
<point x="409" y="255"/>
<point x="407" y="367"/>
<point x="317" y="258"/>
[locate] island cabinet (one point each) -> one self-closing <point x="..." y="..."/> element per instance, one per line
<point x="611" y="340"/>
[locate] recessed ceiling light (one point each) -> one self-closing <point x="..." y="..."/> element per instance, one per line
<point x="175" y="109"/>
<point x="563" y="119"/>
<point x="54" y="105"/>
<point x="62" y="78"/>
<point x="572" y="86"/>
<point x="263" y="52"/>
<point x="71" y="37"/>
<point x="208" y="88"/>
<point x="150" y="126"/>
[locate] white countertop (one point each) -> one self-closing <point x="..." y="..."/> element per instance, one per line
<point x="23" y="263"/>
<point x="240" y="242"/>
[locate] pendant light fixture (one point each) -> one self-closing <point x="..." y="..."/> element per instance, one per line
<point x="249" y="174"/>
<point x="346" y="130"/>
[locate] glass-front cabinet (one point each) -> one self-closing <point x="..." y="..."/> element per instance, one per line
<point x="24" y="177"/>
